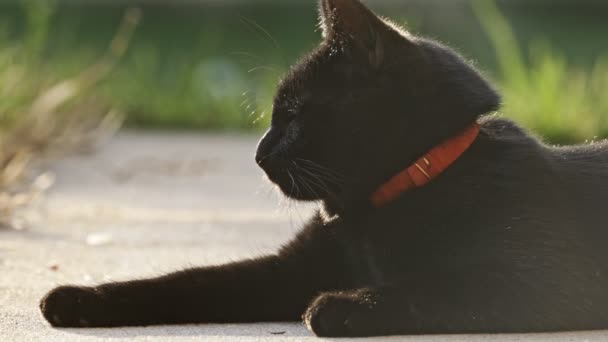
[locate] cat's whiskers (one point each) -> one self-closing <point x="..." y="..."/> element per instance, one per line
<point x="323" y="174"/>
<point x="314" y="179"/>
<point x="264" y="189"/>
<point x="261" y="67"/>
<point x="325" y="170"/>
<point x="265" y="34"/>
<point x="297" y="182"/>
<point x="271" y="191"/>
<point x="323" y="178"/>
<point x="293" y="185"/>
<point x="305" y="183"/>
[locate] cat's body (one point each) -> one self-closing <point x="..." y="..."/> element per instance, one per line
<point x="510" y="238"/>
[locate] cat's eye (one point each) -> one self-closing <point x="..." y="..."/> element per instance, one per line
<point x="292" y="112"/>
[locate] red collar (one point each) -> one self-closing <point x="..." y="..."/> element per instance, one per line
<point x="427" y="168"/>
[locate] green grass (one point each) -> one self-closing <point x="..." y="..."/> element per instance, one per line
<point x="562" y="102"/>
<point x="215" y="66"/>
<point x="41" y="111"/>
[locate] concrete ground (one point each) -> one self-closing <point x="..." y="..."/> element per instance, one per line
<point x="147" y="204"/>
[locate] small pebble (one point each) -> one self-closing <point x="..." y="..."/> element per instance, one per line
<point x="99" y="239"/>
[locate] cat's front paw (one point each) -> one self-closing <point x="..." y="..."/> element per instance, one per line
<point x="332" y="315"/>
<point x="71" y="307"/>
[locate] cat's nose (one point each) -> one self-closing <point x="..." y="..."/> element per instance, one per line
<point x="269" y="162"/>
<point x="265" y="150"/>
<point x="260" y="159"/>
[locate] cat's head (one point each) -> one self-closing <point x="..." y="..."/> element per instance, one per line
<point x="365" y="104"/>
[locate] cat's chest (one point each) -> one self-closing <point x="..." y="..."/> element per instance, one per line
<point x="366" y="263"/>
<point x="386" y="251"/>
<point x="373" y="257"/>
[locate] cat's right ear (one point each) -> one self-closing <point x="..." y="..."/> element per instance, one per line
<point x="350" y="19"/>
<point x="347" y="17"/>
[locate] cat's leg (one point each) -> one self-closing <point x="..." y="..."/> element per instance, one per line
<point x="273" y="288"/>
<point x="407" y="311"/>
<point x="357" y="313"/>
<point x="379" y="312"/>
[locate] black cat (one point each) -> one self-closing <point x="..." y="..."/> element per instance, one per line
<point x="435" y="218"/>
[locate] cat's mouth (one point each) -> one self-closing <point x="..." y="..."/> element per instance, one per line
<point x="292" y="184"/>
<point x="304" y="180"/>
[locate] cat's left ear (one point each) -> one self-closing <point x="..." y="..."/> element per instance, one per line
<point x="350" y="19"/>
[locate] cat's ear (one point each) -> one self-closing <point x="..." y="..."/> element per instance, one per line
<point x="350" y="19"/>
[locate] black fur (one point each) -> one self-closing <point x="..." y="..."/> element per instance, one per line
<point x="511" y="238"/>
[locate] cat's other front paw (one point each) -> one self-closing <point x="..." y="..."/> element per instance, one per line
<point x="332" y="315"/>
<point x="71" y="307"/>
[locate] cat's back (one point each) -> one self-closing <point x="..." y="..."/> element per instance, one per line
<point x="567" y="183"/>
<point x="583" y="173"/>
<point x="584" y="180"/>
<point x="593" y="155"/>
<point x="581" y="170"/>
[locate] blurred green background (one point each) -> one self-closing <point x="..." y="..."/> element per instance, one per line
<point x="213" y="65"/>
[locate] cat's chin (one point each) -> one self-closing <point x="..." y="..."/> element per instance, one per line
<point x="296" y="193"/>
<point x="293" y="187"/>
